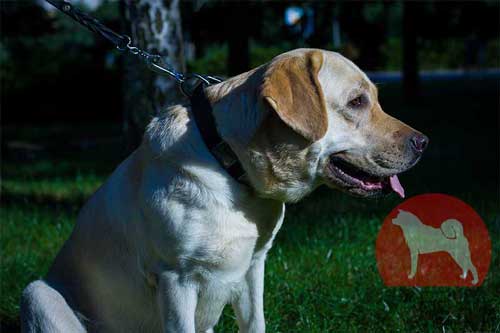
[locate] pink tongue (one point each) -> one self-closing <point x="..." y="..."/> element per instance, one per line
<point x="396" y="186"/>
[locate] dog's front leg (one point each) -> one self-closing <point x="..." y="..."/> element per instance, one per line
<point x="414" y="263"/>
<point x="249" y="305"/>
<point x="177" y="300"/>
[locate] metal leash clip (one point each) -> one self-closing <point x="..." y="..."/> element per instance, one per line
<point x="191" y="81"/>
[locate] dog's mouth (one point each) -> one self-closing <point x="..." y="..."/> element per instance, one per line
<point x="357" y="181"/>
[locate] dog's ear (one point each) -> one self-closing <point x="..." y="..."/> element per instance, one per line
<point x="292" y="89"/>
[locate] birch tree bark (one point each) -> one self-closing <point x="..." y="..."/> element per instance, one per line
<point x="155" y="26"/>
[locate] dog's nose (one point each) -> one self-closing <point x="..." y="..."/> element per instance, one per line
<point x="419" y="142"/>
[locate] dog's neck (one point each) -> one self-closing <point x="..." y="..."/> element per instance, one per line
<point x="236" y="107"/>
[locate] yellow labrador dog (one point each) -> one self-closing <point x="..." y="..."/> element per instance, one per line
<point x="171" y="238"/>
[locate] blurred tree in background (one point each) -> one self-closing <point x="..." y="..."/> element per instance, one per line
<point x="155" y="27"/>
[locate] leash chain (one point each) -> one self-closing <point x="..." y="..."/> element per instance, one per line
<point x="155" y="62"/>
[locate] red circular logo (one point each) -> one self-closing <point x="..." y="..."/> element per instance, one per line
<point x="433" y="240"/>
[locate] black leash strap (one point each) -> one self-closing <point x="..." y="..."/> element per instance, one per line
<point x="202" y="111"/>
<point x="203" y="114"/>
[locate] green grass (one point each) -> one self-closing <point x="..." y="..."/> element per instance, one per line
<point x="321" y="274"/>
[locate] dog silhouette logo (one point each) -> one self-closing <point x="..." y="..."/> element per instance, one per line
<point x="422" y="239"/>
<point x="433" y="240"/>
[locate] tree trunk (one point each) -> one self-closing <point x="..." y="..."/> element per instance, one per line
<point x="155" y="26"/>
<point x="410" y="54"/>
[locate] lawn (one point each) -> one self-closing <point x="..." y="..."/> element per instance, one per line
<point x="321" y="273"/>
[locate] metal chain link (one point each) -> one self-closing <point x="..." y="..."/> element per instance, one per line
<point x="153" y="61"/>
<point x="123" y="43"/>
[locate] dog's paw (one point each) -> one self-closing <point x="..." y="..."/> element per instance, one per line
<point x="411" y="276"/>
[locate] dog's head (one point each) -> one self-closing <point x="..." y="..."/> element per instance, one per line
<point x="405" y="218"/>
<point x="318" y="121"/>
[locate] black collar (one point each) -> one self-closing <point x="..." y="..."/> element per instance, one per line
<point x="205" y="121"/>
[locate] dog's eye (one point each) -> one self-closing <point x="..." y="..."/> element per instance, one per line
<point x="357" y="102"/>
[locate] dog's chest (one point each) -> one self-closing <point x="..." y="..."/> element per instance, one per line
<point x="217" y="241"/>
<point x="212" y="233"/>
<point x="227" y="246"/>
